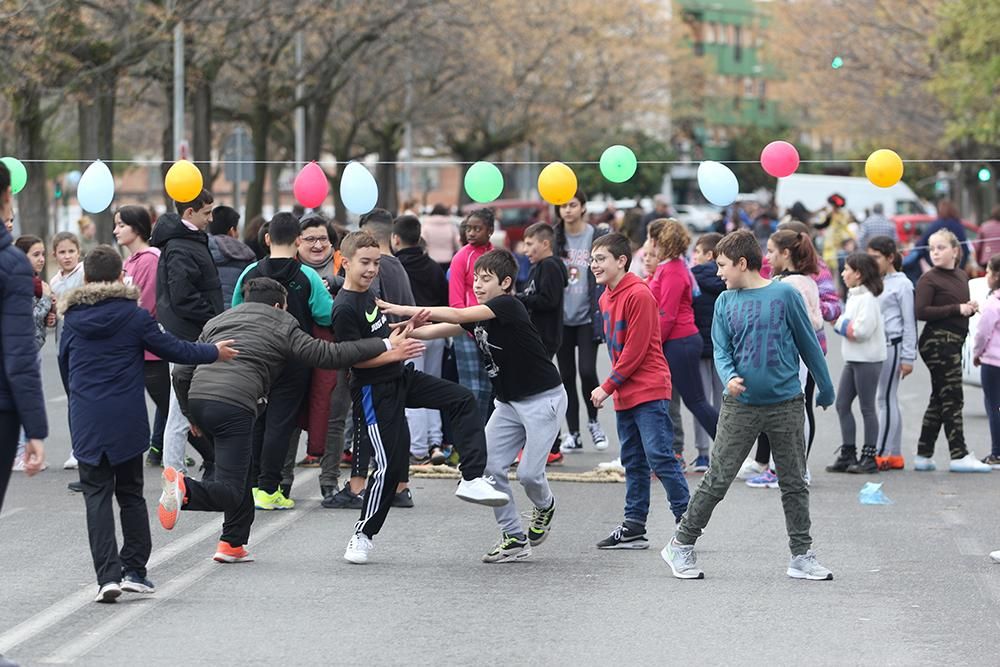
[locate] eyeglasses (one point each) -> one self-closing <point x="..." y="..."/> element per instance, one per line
<point x="314" y="240"/>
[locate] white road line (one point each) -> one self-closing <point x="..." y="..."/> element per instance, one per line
<point x="11" y="512"/>
<point x="69" y="605"/>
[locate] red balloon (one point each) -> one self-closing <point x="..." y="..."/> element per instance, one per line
<point x="779" y="159"/>
<point x="311" y="186"/>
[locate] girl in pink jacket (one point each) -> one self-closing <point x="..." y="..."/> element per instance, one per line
<point x="986" y="355"/>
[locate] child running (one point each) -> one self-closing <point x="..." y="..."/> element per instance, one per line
<point x="66" y="252"/>
<point x="986" y="355"/>
<point x="529" y="390"/>
<point x="760" y="331"/>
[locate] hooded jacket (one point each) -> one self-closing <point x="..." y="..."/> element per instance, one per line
<point x="231" y="256"/>
<point x="105" y="333"/>
<point x="711" y="287"/>
<point x="639" y="373"/>
<point x="188" y="291"/>
<point x="309" y="302"/>
<point x="427" y="280"/>
<point x="20" y="378"/>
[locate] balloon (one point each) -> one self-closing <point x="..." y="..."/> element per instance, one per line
<point x="358" y="188"/>
<point x="73" y="179"/>
<point x="18" y="174"/>
<point x="618" y="163"/>
<point x="779" y="159"/>
<point x="557" y="183"/>
<point x="884" y="168"/>
<point x="311" y="186"/>
<point x="96" y="188"/>
<point x="183" y="182"/>
<point x="483" y="182"/>
<point x="718" y="184"/>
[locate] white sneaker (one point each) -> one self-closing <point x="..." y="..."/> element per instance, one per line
<point x="969" y="463"/>
<point x="615" y="465"/>
<point x="808" y="477"/>
<point x="71" y="463"/>
<point x="750" y="469"/>
<point x="358" y="549"/>
<point x="597" y="435"/>
<point x="109" y="592"/>
<point x="18" y="464"/>
<point x="924" y="464"/>
<point x="570" y="442"/>
<point x="995" y="556"/>
<point x="481" y="491"/>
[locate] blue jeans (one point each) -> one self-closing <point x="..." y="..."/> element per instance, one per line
<point x="991" y="397"/>
<point x="646" y="435"/>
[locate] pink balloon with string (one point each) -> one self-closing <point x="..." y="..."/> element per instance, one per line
<point x="311" y="187"/>
<point x="779" y="159"/>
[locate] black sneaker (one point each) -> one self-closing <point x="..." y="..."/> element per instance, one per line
<point x="846" y="458"/>
<point x="541" y="521"/>
<point x="344" y="500"/>
<point x="327" y="490"/>
<point x="133" y="583"/>
<point x="509" y="549"/>
<point x="438" y="457"/>
<point x="625" y="537"/>
<point x="866" y="465"/>
<point x="154" y="459"/>
<point x="76" y="487"/>
<point x="403" y="499"/>
<point x="420" y="460"/>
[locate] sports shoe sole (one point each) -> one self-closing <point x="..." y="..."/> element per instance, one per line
<point x="766" y="485"/>
<point x="799" y="574"/>
<point x="169" y="507"/>
<point x="356" y="558"/>
<point x="136" y="587"/>
<point x="510" y="558"/>
<point x="634" y="545"/>
<point x="220" y="557"/>
<point x="665" y="555"/>
<point x="601" y="446"/>
<point x="108" y="595"/>
<point x="489" y="502"/>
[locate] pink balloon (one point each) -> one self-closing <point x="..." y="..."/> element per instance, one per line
<point x="311" y="186"/>
<point x="779" y="159"/>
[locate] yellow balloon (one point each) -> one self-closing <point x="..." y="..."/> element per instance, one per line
<point x="884" y="168"/>
<point x="557" y="183"/>
<point x="183" y="182"/>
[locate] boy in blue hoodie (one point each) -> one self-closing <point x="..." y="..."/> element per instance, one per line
<point x="705" y="270"/>
<point x="101" y="363"/>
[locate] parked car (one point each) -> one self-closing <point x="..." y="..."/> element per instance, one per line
<point x="697" y="218"/>
<point x="909" y="228"/>
<point x="513" y="217"/>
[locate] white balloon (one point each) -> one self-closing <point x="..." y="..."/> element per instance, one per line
<point x="717" y="183"/>
<point x="96" y="189"/>
<point x="358" y="188"/>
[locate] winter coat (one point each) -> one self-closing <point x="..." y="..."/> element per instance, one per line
<point x="711" y="287"/>
<point x="188" y="291"/>
<point x="20" y="376"/>
<point x="231" y="256"/>
<point x="105" y="333"/>
<point x="430" y="287"/>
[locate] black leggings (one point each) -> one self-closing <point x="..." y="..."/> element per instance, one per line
<point x="763" y="456"/>
<point x="582" y="337"/>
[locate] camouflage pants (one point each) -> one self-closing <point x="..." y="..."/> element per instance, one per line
<point x="942" y="352"/>
<point x="739" y="426"/>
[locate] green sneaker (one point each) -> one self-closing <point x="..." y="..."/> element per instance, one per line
<point x="541" y="521"/>
<point x="263" y="500"/>
<point x="509" y="549"/>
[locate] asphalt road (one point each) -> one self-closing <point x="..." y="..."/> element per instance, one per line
<point x="913" y="582"/>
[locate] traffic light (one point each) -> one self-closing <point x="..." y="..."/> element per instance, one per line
<point x="837" y="62"/>
<point x="984" y="175"/>
<point x="58" y="191"/>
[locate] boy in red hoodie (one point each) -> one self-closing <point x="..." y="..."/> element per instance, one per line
<point x="640" y="384"/>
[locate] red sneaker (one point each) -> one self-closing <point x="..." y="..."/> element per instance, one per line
<point x="309" y="461"/>
<point x="226" y="553"/>
<point x="172" y="497"/>
<point x="554" y="459"/>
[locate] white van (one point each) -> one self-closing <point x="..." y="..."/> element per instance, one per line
<point x="814" y="189"/>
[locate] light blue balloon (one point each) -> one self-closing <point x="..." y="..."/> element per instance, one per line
<point x="358" y="189"/>
<point x="718" y="183"/>
<point x="73" y="179"/>
<point x="96" y="189"/>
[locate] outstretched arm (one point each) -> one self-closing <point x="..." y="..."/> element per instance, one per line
<point x="440" y="313"/>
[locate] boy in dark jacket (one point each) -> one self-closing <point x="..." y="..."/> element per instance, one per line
<point x="101" y="363"/>
<point x="231" y="256"/>
<point x="705" y="272"/>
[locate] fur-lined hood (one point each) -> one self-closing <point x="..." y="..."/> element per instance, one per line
<point x="99" y="310"/>
<point x="93" y="293"/>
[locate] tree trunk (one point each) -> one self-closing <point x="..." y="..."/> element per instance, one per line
<point x="33" y="200"/>
<point x="201" y="150"/>
<point x="167" y="144"/>
<point x="386" y="169"/>
<point x="260" y="129"/>
<point x="97" y="122"/>
<point x="316" y="117"/>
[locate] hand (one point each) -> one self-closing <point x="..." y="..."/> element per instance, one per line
<point x="422" y="317"/>
<point x="195" y="431"/>
<point x="975" y="362"/>
<point x="34" y="457"/>
<point x="226" y="351"/>
<point x="391" y="308"/>
<point x="968" y="309"/>
<point x="400" y="333"/>
<point x="906" y="369"/>
<point x="50" y="320"/>
<point x="735" y="387"/>
<point x="598" y="396"/>
<point x="408" y="349"/>
<point x="825" y="398"/>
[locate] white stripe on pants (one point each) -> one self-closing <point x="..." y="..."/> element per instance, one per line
<point x="425" y="424"/>
<point x="890" y="424"/>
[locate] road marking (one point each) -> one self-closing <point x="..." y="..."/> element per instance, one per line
<point x="11" y="512"/>
<point x="69" y="605"/>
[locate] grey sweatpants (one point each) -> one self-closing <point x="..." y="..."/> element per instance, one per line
<point x="859" y="379"/>
<point x="890" y="421"/>
<point x="712" y="384"/>
<point x="532" y="424"/>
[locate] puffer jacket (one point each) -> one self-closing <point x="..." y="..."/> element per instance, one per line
<point x="231" y="257"/>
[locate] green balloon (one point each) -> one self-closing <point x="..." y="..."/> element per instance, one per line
<point x="18" y="174"/>
<point x="483" y="182"/>
<point x="618" y="163"/>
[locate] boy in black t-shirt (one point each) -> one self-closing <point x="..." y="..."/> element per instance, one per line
<point x="381" y="395"/>
<point x="530" y="396"/>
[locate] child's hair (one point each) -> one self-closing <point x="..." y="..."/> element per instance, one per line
<point x="262" y="235"/>
<point x="865" y="264"/>
<point x="486" y="215"/>
<point x="947" y="235"/>
<point x="83" y="222"/>
<point x="885" y="246"/>
<point x="707" y="242"/>
<point x="994" y="264"/>
<point x="617" y="244"/>
<point x="196" y="204"/>
<point x="103" y="264"/>
<point x="264" y="290"/>
<point x="224" y="218"/>
<point x="355" y="241"/>
<point x="800" y="250"/>
<point x="25" y="242"/>
<point x="741" y="244"/>
<point x="65" y="236"/>
<point x="376" y="215"/>
<point x="541" y="231"/>
<point x="580" y="196"/>
<point x="4" y="178"/>
<point x="501" y="263"/>
<point x="407" y="228"/>
<point x="672" y="239"/>
<point x="138" y="219"/>
<point x="284" y="229"/>
<point x="560" y="224"/>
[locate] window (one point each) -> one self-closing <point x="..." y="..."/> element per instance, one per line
<point x="748" y="87"/>
<point x="737" y="44"/>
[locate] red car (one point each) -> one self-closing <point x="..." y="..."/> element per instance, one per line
<point x="910" y="227"/>
<point x="514" y="216"/>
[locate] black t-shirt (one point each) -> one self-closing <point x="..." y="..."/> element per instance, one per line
<point x="512" y="351"/>
<point x="355" y="317"/>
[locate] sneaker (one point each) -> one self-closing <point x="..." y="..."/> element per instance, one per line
<point x="359" y="549"/>
<point x="570" y="442"/>
<point x="806" y="566"/>
<point x="71" y="463"/>
<point x="969" y="463"/>
<point x="482" y="491"/>
<point x="992" y="461"/>
<point x="995" y="556"/>
<point x="227" y="553"/>
<point x="846" y="457"/>
<point x="765" y="480"/>
<point x="554" y="459"/>
<point x="700" y="464"/>
<point x="345" y="499"/>
<point x="866" y="465"/>
<point x="807" y="477"/>
<point x="682" y="560"/>
<point x="402" y="499"/>
<point x="509" y="549"/>
<point x="75" y="487"/>
<point x="625" y="537"/>
<point x="171" y="498"/>
<point x="750" y="469"/>
<point x="597" y="435"/>
<point x="890" y="462"/>
<point x="263" y="500"/>
<point x="437" y="456"/>
<point x="541" y="523"/>
<point x="309" y="461"/>
<point x="133" y="583"/>
<point x="614" y="465"/>
<point x="924" y="464"/>
<point x="109" y="592"/>
<point x="188" y="462"/>
<point x="327" y="490"/>
<point x="420" y="460"/>
<point x="154" y="459"/>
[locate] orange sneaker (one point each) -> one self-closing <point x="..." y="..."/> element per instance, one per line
<point x="226" y="553"/>
<point x="890" y="462"/>
<point x="172" y="497"/>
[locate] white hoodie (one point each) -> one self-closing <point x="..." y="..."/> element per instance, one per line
<point x="862" y="327"/>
